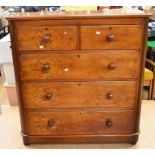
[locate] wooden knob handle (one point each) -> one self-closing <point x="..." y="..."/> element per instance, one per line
<point x="109" y="123"/>
<point x="48" y="96"/>
<point x="112" y="66"/>
<point x="45" y="67"/>
<point x="46" y="38"/>
<point x="111" y="37"/>
<point x="50" y="123"/>
<point x="109" y="95"/>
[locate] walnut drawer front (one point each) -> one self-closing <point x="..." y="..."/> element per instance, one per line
<point x="92" y="66"/>
<point x="46" y="38"/>
<point x="111" y="37"/>
<point x="79" y="122"/>
<point x="80" y="94"/>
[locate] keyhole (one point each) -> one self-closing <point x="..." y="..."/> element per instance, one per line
<point x="78" y="56"/>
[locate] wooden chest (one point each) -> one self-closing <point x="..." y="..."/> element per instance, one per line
<point x="79" y="75"/>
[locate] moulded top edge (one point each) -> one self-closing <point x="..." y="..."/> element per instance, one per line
<point x="77" y="14"/>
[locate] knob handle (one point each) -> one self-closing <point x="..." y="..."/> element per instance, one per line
<point x="50" y="123"/>
<point x="109" y="123"/>
<point x="45" y="67"/>
<point x="109" y="95"/>
<point x="111" y="37"/>
<point x="112" y="66"/>
<point x="48" y="96"/>
<point x="46" y="38"/>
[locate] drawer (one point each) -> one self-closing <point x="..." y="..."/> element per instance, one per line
<point x="111" y="37"/>
<point x="88" y="66"/>
<point x="80" y="94"/>
<point x="47" y="38"/>
<point x="79" y="122"/>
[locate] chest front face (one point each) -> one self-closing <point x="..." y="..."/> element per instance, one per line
<point x="79" y="79"/>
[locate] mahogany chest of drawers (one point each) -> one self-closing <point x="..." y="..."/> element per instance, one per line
<point x="79" y="75"/>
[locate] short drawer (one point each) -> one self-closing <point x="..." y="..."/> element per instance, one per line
<point x="80" y="122"/>
<point x="80" y="94"/>
<point x="88" y="66"/>
<point x="46" y="38"/>
<point x="111" y="37"/>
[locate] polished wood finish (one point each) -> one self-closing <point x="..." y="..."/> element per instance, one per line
<point x="80" y="95"/>
<point x="79" y="123"/>
<point x="111" y="37"/>
<point x="77" y="15"/>
<point x="84" y="86"/>
<point x="92" y="66"/>
<point x="82" y="21"/>
<point x="47" y="38"/>
<point x="71" y="139"/>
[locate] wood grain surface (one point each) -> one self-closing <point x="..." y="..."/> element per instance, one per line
<point x="113" y="13"/>
<point x="80" y="122"/>
<point x="79" y="75"/>
<point x="80" y="95"/>
<point x="96" y="37"/>
<point x="92" y="66"/>
<point x="47" y="38"/>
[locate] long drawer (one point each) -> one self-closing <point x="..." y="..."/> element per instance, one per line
<point x="44" y="38"/>
<point x="80" y="122"/>
<point x="80" y="66"/>
<point x="111" y="37"/>
<point x="80" y="94"/>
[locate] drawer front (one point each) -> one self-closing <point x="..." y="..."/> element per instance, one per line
<point x="47" y="38"/>
<point x="79" y="122"/>
<point x="92" y="66"/>
<point x="111" y="37"/>
<point x="79" y="95"/>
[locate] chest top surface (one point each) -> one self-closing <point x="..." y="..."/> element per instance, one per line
<point x="78" y="14"/>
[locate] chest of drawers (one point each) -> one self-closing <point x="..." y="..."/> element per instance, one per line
<point x="79" y="75"/>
